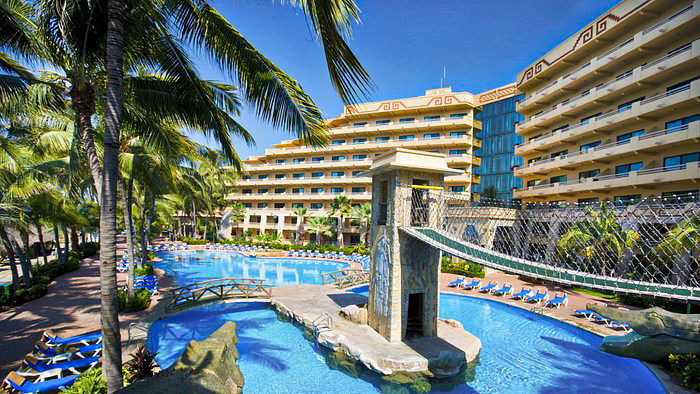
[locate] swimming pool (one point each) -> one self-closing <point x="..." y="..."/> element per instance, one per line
<point x="521" y="352"/>
<point x="196" y="266"/>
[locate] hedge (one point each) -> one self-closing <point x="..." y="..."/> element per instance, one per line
<point x="461" y="267"/>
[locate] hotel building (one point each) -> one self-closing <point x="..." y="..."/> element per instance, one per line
<point x="291" y="175"/>
<point x="613" y="112"/>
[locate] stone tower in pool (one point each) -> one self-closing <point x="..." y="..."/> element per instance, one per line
<point x="404" y="282"/>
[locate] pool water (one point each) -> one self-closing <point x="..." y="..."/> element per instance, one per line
<point x="196" y="266"/>
<point x="521" y="352"/>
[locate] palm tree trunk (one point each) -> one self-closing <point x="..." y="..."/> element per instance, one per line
<point x="40" y="234"/>
<point x="83" y="97"/>
<point x="194" y="220"/>
<point x="57" y="242"/>
<point x="149" y="220"/>
<point x="74" y="238"/>
<point x="24" y="234"/>
<point x="339" y="236"/>
<point x="129" y="240"/>
<point x="10" y="257"/>
<point x="66" y="242"/>
<point x="24" y="263"/>
<point x="139" y="262"/>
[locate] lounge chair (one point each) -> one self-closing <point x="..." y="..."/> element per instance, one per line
<point x="614" y="324"/>
<point x="44" y="352"/>
<point x="86" y="339"/>
<point x="22" y="385"/>
<point x="456" y="282"/>
<point x="523" y="293"/>
<point x="507" y="288"/>
<point x="587" y="313"/>
<point x="475" y="283"/>
<point x="601" y="319"/>
<point x="33" y="367"/>
<point x="539" y="297"/>
<point x="558" y="300"/>
<point x="489" y="287"/>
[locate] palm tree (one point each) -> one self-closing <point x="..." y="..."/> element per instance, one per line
<point x="363" y="214"/>
<point x="680" y="245"/>
<point x="322" y="226"/>
<point x="599" y="238"/>
<point x="341" y="208"/>
<point x="300" y="214"/>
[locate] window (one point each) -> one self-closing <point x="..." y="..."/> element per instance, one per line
<point x="457" y="189"/>
<point x="262" y="191"/>
<point x="457" y="134"/>
<point x="680" y="86"/>
<point x="357" y="190"/>
<point x="359" y="140"/>
<point x="588" y="118"/>
<point x="458" y="116"/>
<point x="338" y="142"/>
<point x="359" y="124"/>
<point x="298" y="175"/>
<point x="627" y="136"/>
<point x="680" y="160"/>
<point x="534" y="137"/>
<point x="337" y="158"/>
<point x="316" y="205"/>
<point x="297" y="205"/>
<point x="262" y="205"/>
<point x="627" y="200"/>
<point x="262" y="176"/>
<point x="628" y="105"/>
<point x="280" y="161"/>
<point x="560" y="153"/>
<point x="405" y="137"/>
<point x="682" y="121"/>
<point x="298" y="190"/>
<point x="280" y="176"/>
<point x="681" y="197"/>
<point x="247" y="205"/>
<point x="247" y="177"/>
<point x="590" y="145"/>
<point x="356" y="173"/>
<point x="280" y="190"/>
<point x="279" y="205"/>
<point x="247" y="191"/>
<point x="566" y="126"/>
<point x="317" y="175"/>
<point x="534" y="160"/>
<point x="455" y="152"/>
<point x="337" y="174"/>
<point x="588" y="174"/>
<point x="337" y="190"/>
<point x="359" y="157"/>
<point x="381" y="139"/>
<point x="431" y="117"/>
<point x="588" y="201"/>
<point x="431" y="136"/>
<point x="317" y="159"/>
<point x="625" y="168"/>
<point x="316" y="190"/>
<point x="407" y="120"/>
<point x="299" y="160"/>
<point x="382" y="122"/>
<point x="558" y="179"/>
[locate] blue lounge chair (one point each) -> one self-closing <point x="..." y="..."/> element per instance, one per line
<point x="523" y="293"/>
<point x="601" y="319"/>
<point x="558" y="300"/>
<point x="42" y="351"/>
<point x="507" y="288"/>
<point x="86" y="339"/>
<point x="31" y="366"/>
<point x="626" y="327"/>
<point x="587" y="313"/>
<point x="475" y="283"/>
<point x="456" y="282"/>
<point x="539" y="297"/>
<point x="489" y="287"/>
<point x="23" y="385"/>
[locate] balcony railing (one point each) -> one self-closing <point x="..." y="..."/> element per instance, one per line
<point x="671" y="54"/>
<point x="610" y="52"/>
<point x="663" y="22"/>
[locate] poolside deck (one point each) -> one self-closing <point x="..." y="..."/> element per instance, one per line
<point x="305" y="303"/>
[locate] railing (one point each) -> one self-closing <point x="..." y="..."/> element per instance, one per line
<point x="610" y="52"/>
<point x="322" y="323"/>
<point x="670" y="18"/>
<point x="576" y="70"/>
<point x="666" y="94"/>
<point x="616" y="79"/>
<point x="345" y="278"/>
<point x="678" y="51"/>
<point x="217" y="289"/>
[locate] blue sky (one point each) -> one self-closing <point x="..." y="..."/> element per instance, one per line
<point x="404" y="44"/>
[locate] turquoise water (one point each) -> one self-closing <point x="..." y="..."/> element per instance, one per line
<point x="190" y="267"/>
<point x="521" y="352"/>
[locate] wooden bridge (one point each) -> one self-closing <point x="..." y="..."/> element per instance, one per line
<point x="345" y="278"/>
<point x="217" y="289"/>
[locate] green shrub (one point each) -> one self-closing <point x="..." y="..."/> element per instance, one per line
<point x="462" y="267"/>
<point x="147" y="270"/>
<point x="687" y="368"/>
<point x="89" y="249"/>
<point x="89" y="382"/>
<point x="141" y="300"/>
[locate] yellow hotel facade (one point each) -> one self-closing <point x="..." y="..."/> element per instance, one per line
<point x="613" y="112"/>
<point x="292" y="175"/>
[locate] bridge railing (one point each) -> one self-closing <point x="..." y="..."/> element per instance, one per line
<point x="650" y="241"/>
<point x="343" y="279"/>
<point x="217" y="289"/>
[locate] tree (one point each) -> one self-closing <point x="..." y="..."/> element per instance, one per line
<point x="322" y="226"/>
<point x="363" y="214"/>
<point x="301" y="215"/>
<point x="679" y="246"/>
<point x="341" y="208"/>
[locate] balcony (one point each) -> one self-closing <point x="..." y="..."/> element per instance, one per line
<point x="649" y="143"/>
<point x="649" y="177"/>
<point x="621" y="52"/>
<point x="295" y="197"/>
<point x="657" y="105"/>
<point x="654" y="72"/>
